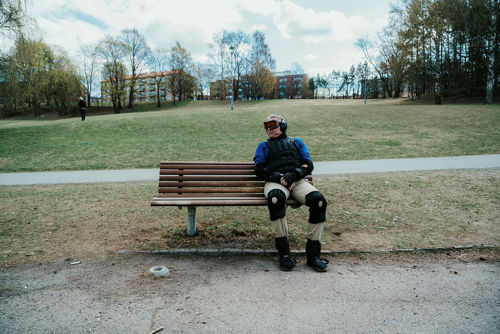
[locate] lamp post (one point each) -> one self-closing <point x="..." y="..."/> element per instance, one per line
<point x="232" y="77"/>
<point x="364" y="89"/>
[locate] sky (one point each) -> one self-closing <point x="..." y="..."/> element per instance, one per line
<point x="317" y="34"/>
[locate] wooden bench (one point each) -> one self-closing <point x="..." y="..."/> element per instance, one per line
<point x="192" y="184"/>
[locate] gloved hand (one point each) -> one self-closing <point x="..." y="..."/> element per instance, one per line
<point x="290" y="177"/>
<point x="275" y="177"/>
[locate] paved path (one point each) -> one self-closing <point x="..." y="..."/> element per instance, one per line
<point x="321" y="168"/>
<point x="250" y="295"/>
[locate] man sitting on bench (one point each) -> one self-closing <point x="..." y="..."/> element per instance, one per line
<point x="283" y="162"/>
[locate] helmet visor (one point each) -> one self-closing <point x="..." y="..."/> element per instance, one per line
<point x="271" y="124"/>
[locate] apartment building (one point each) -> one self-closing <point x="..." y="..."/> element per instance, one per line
<point x="286" y="86"/>
<point x="145" y="88"/>
<point x="290" y="86"/>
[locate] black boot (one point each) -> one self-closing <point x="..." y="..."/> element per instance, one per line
<point x="287" y="263"/>
<point x="313" y="253"/>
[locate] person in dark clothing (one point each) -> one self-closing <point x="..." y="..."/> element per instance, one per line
<point x="284" y="162"/>
<point x="82" y="105"/>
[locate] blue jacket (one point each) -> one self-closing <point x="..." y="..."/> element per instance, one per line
<point x="262" y="151"/>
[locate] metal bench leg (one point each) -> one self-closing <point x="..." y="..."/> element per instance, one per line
<point x="191" y="229"/>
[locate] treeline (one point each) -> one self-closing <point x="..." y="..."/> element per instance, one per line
<point x="438" y="47"/>
<point x="33" y="73"/>
<point x="234" y="56"/>
<point x="428" y="47"/>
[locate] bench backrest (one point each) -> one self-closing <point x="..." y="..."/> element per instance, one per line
<point x="209" y="179"/>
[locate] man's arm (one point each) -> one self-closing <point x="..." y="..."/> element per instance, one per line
<point x="260" y="162"/>
<point x="307" y="163"/>
<point x="260" y="165"/>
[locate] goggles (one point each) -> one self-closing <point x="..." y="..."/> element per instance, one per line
<point x="271" y="124"/>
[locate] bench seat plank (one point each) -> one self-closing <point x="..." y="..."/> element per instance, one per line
<point x="213" y="201"/>
<point x="211" y="184"/>
<point x="212" y="190"/>
<point x="206" y="172"/>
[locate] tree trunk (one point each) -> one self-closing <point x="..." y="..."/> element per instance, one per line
<point x="437" y="99"/>
<point x="158" y="93"/>
<point x="490" y="79"/>
<point x="131" y="93"/>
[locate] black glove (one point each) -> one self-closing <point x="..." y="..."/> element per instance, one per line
<point x="290" y="178"/>
<point x="275" y="177"/>
<point x="301" y="172"/>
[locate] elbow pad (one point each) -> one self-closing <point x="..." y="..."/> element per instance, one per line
<point x="310" y="167"/>
<point x="260" y="171"/>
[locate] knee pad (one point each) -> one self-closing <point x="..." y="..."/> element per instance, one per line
<point x="276" y="202"/>
<point x="317" y="207"/>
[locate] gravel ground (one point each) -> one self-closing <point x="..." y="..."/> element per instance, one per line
<point x="391" y="293"/>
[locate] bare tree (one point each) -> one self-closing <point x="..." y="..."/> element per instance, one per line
<point x="366" y="45"/>
<point x="136" y="52"/>
<point x="296" y="68"/>
<point x="88" y="68"/>
<point x="492" y="44"/>
<point x="333" y="82"/>
<point x="112" y="52"/>
<point x="218" y="56"/>
<point x="261" y="66"/>
<point x="180" y="62"/>
<point x="158" y="63"/>
<point x="12" y="16"/>
<point x="204" y="73"/>
<point x="238" y="44"/>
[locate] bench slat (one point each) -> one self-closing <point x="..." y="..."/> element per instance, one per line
<point x="212" y="184"/>
<point x="206" y="166"/>
<point x="206" y="172"/>
<point x="208" y="178"/>
<point x="177" y="195"/>
<point x="205" y="163"/>
<point x="211" y="190"/>
<point x="160" y="201"/>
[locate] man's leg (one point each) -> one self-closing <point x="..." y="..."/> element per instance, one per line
<point x="276" y="196"/>
<point x="307" y="194"/>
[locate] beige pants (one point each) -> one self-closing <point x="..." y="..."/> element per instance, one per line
<point x="299" y="193"/>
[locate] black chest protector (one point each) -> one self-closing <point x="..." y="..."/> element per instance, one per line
<point x="283" y="155"/>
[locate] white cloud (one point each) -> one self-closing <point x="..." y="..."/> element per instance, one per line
<point x="163" y="21"/>
<point x="313" y="27"/>
<point x="310" y="57"/>
<point x="260" y="27"/>
<point x="294" y="33"/>
<point x="263" y="7"/>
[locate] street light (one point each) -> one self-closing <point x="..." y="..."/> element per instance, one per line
<point x="232" y="77"/>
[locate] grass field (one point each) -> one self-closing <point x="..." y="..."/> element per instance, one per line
<point x="206" y="130"/>
<point x="365" y="212"/>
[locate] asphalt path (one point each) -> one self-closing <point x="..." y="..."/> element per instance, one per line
<point x="321" y="168"/>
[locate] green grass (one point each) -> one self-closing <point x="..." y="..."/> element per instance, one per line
<point x="207" y="130"/>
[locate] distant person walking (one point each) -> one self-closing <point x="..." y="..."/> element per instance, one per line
<point x="82" y="105"/>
